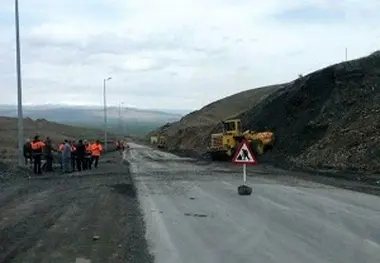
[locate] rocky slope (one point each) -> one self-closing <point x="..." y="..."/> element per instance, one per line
<point x="327" y="119"/>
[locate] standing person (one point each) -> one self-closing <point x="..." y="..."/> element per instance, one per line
<point x="48" y="154"/>
<point x="96" y="149"/>
<point x="122" y="145"/>
<point x="60" y="152"/>
<point x="88" y="157"/>
<point x="28" y="152"/>
<point x="66" y="157"/>
<point x="73" y="150"/>
<point x="37" y="147"/>
<point x="80" y="154"/>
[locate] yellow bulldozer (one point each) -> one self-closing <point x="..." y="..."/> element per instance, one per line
<point x="161" y="143"/>
<point x="223" y="145"/>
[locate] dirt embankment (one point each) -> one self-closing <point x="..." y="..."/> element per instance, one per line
<point x="327" y="120"/>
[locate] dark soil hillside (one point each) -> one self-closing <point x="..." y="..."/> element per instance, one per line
<point x="327" y="119"/>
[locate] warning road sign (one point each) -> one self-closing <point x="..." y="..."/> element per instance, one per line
<point x="244" y="155"/>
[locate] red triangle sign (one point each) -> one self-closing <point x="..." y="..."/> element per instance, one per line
<point x="244" y="155"/>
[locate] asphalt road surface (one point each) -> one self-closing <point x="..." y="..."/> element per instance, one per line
<point x="84" y="217"/>
<point x="194" y="214"/>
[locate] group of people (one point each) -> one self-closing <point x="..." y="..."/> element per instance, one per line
<point x="80" y="155"/>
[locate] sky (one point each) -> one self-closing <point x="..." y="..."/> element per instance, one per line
<point x="174" y="54"/>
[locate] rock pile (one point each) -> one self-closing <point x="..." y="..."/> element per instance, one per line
<point x="327" y="119"/>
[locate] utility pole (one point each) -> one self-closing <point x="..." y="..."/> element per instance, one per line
<point x="19" y="89"/>
<point x="346" y="53"/>
<point x="120" y="118"/>
<point x="105" y="112"/>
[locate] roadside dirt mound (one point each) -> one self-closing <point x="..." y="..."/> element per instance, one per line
<point x="192" y="131"/>
<point x="329" y="119"/>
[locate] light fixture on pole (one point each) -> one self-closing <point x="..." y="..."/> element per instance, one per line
<point x="105" y="111"/>
<point x="20" y="122"/>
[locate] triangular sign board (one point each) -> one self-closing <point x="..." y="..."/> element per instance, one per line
<point x="244" y="155"/>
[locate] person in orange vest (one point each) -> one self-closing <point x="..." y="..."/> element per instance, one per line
<point x="96" y="149"/>
<point x="37" y="147"/>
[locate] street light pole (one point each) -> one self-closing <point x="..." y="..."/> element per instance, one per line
<point x="346" y="54"/>
<point x="19" y="89"/>
<point x="105" y="112"/>
<point x="120" y="119"/>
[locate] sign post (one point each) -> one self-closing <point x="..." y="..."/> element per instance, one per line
<point x="245" y="173"/>
<point x="244" y="156"/>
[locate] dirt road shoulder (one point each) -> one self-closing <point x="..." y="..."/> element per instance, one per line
<point x="92" y="215"/>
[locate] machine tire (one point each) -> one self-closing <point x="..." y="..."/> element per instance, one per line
<point x="213" y="156"/>
<point x="244" y="190"/>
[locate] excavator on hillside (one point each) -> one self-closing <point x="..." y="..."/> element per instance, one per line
<point x="159" y="141"/>
<point x="161" y="144"/>
<point x="223" y="145"/>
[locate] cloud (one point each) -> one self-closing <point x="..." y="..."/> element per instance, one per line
<point x="175" y="54"/>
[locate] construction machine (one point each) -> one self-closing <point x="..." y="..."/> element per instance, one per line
<point x="161" y="143"/>
<point x="223" y="145"/>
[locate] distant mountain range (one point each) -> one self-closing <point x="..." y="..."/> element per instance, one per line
<point x="132" y="121"/>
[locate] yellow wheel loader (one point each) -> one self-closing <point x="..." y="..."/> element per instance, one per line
<point x="223" y="145"/>
<point x="161" y="143"/>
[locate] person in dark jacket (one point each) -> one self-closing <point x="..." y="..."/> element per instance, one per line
<point x="28" y="152"/>
<point x="73" y="150"/>
<point x="48" y="155"/>
<point x="80" y="155"/>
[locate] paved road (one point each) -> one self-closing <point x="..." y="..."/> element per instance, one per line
<point x="54" y="218"/>
<point x="193" y="214"/>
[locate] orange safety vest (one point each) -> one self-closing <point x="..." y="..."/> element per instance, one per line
<point x="96" y="149"/>
<point x="37" y="146"/>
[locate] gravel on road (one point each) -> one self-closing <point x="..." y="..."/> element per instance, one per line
<point x="92" y="216"/>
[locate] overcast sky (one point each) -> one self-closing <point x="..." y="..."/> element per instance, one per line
<point x="175" y="53"/>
